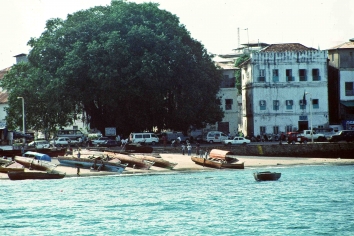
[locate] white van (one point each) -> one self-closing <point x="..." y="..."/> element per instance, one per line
<point x="70" y="133"/>
<point x="215" y="137"/>
<point x="149" y="138"/>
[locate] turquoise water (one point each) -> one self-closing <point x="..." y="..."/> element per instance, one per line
<point x="307" y="200"/>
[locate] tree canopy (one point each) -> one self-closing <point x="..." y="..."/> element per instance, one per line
<point x="126" y="65"/>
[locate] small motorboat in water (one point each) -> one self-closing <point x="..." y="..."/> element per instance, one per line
<point x="266" y="176"/>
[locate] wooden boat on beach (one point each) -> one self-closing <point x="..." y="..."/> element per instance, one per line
<point x="5" y="169"/>
<point x="95" y="163"/>
<point x="266" y="176"/>
<point x="206" y="162"/>
<point x="159" y="162"/>
<point x="132" y="161"/>
<point x="16" y="175"/>
<point x="36" y="161"/>
<point x="225" y="158"/>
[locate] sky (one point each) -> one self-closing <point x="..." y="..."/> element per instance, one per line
<point x="218" y="24"/>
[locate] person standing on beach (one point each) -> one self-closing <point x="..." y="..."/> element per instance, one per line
<point x="183" y="148"/>
<point x="189" y="148"/>
<point x="197" y="149"/>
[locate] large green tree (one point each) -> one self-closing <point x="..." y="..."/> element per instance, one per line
<point x="127" y="65"/>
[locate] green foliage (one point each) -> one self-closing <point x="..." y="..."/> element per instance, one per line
<point x="130" y="66"/>
<point x="238" y="62"/>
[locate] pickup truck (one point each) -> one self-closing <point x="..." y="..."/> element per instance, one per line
<point x="316" y="137"/>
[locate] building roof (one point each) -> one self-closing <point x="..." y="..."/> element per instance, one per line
<point x="3" y="72"/>
<point x="286" y="47"/>
<point x="226" y="66"/>
<point x="346" y="45"/>
<point x="4" y="97"/>
<point x="255" y="44"/>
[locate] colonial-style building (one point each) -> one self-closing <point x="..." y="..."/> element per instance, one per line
<point x="341" y="58"/>
<point x="284" y="88"/>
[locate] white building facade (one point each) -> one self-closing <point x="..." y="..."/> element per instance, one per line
<point x="284" y="88"/>
<point x="228" y="98"/>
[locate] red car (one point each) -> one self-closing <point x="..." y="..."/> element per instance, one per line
<point x="294" y="137"/>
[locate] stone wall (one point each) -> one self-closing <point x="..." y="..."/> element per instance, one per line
<point x="327" y="150"/>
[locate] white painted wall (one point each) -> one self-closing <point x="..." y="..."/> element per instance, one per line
<point x="254" y="91"/>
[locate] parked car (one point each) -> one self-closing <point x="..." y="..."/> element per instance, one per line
<point x="100" y="140"/>
<point x="343" y="135"/>
<point x="236" y="140"/>
<point x="215" y="137"/>
<point x="294" y="137"/>
<point x="172" y="136"/>
<point x="108" y="143"/>
<point x="39" y="144"/>
<point x="144" y="138"/>
<point x="199" y="139"/>
<point x="63" y="141"/>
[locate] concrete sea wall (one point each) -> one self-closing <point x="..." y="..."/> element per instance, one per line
<point x="327" y="150"/>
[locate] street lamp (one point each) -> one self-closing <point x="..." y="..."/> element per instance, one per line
<point x="23" y="118"/>
<point x="311" y="116"/>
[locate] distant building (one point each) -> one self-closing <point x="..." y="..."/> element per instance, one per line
<point x="341" y="62"/>
<point x="228" y="95"/>
<point x="284" y="88"/>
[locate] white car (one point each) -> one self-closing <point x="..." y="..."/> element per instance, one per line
<point x="100" y="140"/>
<point x="236" y="140"/>
<point x="39" y="144"/>
<point x="63" y="141"/>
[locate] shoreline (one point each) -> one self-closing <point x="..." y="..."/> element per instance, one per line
<point x="185" y="164"/>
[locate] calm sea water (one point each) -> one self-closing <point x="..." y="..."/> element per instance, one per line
<point x="307" y="200"/>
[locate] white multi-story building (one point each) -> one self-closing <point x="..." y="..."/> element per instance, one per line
<point x="228" y="95"/>
<point x="284" y="88"/>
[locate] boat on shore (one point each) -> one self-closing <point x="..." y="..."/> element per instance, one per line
<point x="159" y="162"/>
<point x="22" y="175"/>
<point x="94" y="163"/>
<point x="219" y="159"/>
<point x="6" y="168"/>
<point x="206" y="162"/>
<point x="132" y="161"/>
<point x="266" y="176"/>
<point x="36" y="161"/>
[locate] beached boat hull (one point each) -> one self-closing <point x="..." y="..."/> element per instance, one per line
<point x="132" y="161"/>
<point x="159" y="162"/>
<point x="234" y="165"/>
<point x="87" y="163"/>
<point x="266" y="176"/>
<point x="10" y="169"/>
<point x="31" y="163"/>
<point x="206" y="162"/>
<point x="15" y="175"/>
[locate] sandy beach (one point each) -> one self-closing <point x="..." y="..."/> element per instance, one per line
<point x="186" y="164"/>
